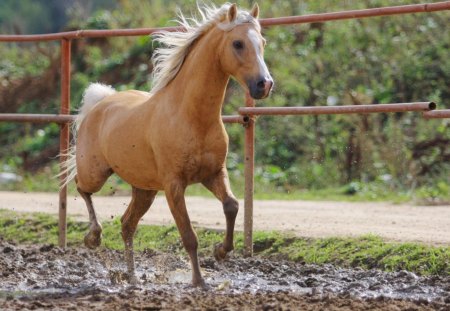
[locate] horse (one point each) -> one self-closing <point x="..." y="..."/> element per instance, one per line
<point x="172" y="136"/>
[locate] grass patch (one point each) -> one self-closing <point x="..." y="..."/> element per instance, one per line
<point x="367" y="251"/>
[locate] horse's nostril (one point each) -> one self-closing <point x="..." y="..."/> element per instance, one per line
<point x="261" y="84"/>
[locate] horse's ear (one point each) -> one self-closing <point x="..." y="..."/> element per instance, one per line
<point x="255" y="11"/>
<point x="232" y="13"/>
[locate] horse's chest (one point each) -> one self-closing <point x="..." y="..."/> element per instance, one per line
<point x="200" y="164"/>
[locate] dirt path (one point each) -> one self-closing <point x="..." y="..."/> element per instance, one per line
<point x="427" y="224"/>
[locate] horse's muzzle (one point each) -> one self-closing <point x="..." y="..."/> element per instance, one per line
<point x="260" y="88"/>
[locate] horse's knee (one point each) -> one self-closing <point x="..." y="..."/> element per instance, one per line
<point x="231" y="207"/>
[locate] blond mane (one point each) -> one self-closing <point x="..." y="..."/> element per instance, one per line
<point x="175" y="46"/>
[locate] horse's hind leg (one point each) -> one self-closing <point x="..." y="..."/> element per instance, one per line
<point x="219" y="185"/>
<point x="140" y="203"/>
<point x="94" y="237"/>
<point x="90" y="179"/>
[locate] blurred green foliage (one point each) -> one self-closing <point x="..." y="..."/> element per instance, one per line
<point x="390" y="59"/>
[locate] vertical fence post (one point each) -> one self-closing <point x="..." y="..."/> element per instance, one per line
<point x="249" y="165"/>
<point x="64" y="137"/>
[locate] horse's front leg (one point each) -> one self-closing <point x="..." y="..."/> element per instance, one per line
<point x="219" y="185"/>
<point x="175" y="198"/>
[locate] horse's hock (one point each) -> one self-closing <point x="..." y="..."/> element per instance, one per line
<point x="246" y="115"/>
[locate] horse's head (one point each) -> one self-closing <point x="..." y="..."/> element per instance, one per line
<point x="242" y="50"/>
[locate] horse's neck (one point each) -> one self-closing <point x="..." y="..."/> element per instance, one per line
<point x="199" y="87"/>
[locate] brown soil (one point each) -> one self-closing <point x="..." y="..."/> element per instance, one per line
<point x="131" y="299"/>
<point x="44" y="277"/>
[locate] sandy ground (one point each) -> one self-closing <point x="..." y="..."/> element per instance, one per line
<point x="426" y="224"/>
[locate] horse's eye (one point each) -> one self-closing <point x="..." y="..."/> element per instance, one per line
<point x="238" y="45"/>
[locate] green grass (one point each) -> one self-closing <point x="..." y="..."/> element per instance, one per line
<point x="367" y="251"/>
<point x="371" y="251"/>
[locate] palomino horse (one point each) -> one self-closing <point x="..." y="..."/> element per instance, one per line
<point x="173" y="136"/>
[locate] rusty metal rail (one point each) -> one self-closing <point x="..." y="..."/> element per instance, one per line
<point x="88" y="33"/>
<point x="437" y="114"/>
<point x="326" y="17"/>
<point x="249" y="175"/>
<point x="245" y="117"/>
<point x="36" y="118"/>
<point x="265" y="22"/>
<point x="64" y="140"/>
<point x="67" y="118"/>
<point x="315" y="110"/>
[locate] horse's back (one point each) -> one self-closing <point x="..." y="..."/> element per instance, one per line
<point x="115" y="107"/>
<point x="111" y="111"/>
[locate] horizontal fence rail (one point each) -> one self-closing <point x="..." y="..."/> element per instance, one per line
<point x="245" y="112"/>
<point x="265" y="22"/>
<point x="333" y="16"/>
<point x="426" y="107"/>
<point x="37" y="118"/>
<point x="66" y="118"/>
<point x="316" y="110"/>
<point x="437" y="114"/>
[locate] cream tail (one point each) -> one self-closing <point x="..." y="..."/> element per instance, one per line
<point x="93" y="94"/>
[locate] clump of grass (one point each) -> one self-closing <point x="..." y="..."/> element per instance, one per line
<point x="370" y="251"/>
<point x="367" y="251"/>
<point x="38" y="228"/>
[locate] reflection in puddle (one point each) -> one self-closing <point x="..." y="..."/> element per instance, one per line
<point x="179" y="276"/>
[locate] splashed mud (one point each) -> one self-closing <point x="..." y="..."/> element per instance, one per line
<point x="47" y="277"/>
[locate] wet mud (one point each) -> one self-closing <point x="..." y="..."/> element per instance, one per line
<point x="40" y="277"/>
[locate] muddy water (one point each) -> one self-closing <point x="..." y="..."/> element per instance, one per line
<point x="47" y="277"/>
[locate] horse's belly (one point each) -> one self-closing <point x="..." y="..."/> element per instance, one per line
<point x="134" y="165"/>
<point x="136" y="178"/>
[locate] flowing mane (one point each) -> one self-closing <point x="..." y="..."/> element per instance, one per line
<point x="168" y="59"/>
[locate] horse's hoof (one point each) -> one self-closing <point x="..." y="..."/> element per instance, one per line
<point x="200" y="284"/>
<point x="132" y="279"/>
<point x="92" y="240"/>
<point x="219" y="252"/>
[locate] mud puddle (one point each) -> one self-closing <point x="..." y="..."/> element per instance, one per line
<point x="44" y="276"/>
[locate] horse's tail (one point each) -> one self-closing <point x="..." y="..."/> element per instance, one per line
<point x="93" y="94"/>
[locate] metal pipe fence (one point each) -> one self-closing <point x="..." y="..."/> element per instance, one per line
<point x="437" y="114"/>
<point x="316" y="110"/>
<point x="265" y="22"/>
<point x="247" y="113"/>
<point x="67" y="118"/>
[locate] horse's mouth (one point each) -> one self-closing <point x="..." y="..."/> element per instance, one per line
<point x="261" y="93"/>
<point x="261" y="89"/>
